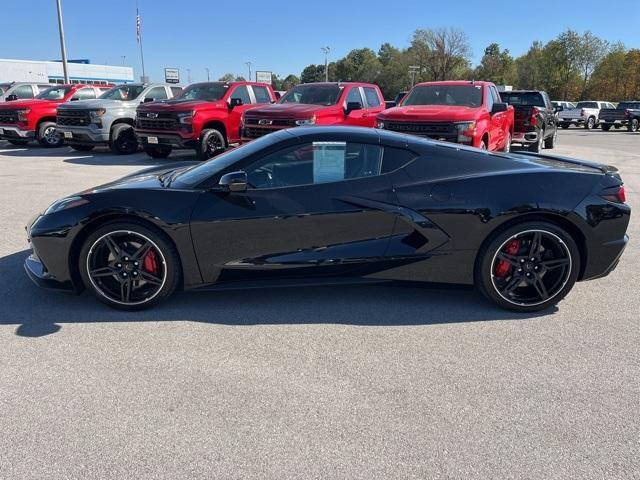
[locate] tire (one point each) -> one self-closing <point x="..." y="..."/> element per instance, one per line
<point x="605" y="128"/>
<point x="633" y="125"/>
<point x="590" y="124"/>
<point x="48" y="137"/>
<point x="83" y="148"/>
<point x="552" y="140"/>
<point x="212" y="143"/>
<point x="483" y="145"/>
<point x="564" y="126"/>
<point x="18" y="143"/>
<point x="537" y="147"/>
<point x="156" y="278"/>
<point x="507" y="144"/>
<point x="156" y="151"/>
<point x="556" y="268"/>
<point x="122" y="139"/>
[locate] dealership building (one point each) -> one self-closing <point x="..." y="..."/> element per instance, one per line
<point x="80" y="71"/>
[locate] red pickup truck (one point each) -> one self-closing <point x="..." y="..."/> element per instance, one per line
<point x="24" y="120"/>
<point x="471" y="113"/>
<point x="316" y="104"/>
<point x="204" y="117"/>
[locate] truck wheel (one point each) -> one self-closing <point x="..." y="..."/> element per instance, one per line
<point x="564" y="126"/>
<point x="48" y="136"/>
<point x="82" y="148"/>
<point x="633" y="125"/>
<point x="605" y="128"/>
<point x="507" y="144"/>
<point x="18" y="142"/>
<point x="157" y="152"/>
<point x="212" y="143"/>
<point x="123" y="139"/>
<point x="590" y="124"/>
<point x="551" y="141"/>
<point x="537" y="147"/>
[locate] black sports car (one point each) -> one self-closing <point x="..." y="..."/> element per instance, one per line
<point x="336" y="205"/>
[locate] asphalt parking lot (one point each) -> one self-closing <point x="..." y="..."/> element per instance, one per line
<point x="349" y="382"/>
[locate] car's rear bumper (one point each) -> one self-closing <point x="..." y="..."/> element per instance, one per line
<point x="525" y="138"/>
<point x="39" y="275"/>
<point x="83" y="136"/>
<point x="604" y="259"/>
<point x="11" y="132"/>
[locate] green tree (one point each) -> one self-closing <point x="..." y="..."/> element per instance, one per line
<point x="312" y="73"/>
<point x="394" y="76"/>
<point x="529" y="66"/>
<point x="360" y="65"/>
<point x="227" y="77"/>
<point x="443" y="53"/>
<point x="289" y="82"/>
<point x="591" y="51"/>
<point x="496" y="66"/>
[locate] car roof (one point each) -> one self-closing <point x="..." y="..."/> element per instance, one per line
<point x="455" y="82"/>
<point x="339" y="84"/>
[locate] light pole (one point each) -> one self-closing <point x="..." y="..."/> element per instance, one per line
<point x="188" y="75"/>
<point x="326" y="51"/>
<point x="413" y="71"/>
<point x="124" y="57"/>
<point x="208" y="79"/>
<point x="63" y="48"/>
<point x="248" y="64"/>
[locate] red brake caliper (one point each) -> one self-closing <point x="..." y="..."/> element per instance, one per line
<point x="151" y="262"/>
<point x="503" y="267"/>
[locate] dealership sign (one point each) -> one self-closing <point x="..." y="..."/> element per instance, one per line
<point x="263" y="77"/>
<point x="172" y="75"/>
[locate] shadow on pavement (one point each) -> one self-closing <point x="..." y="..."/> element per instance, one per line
<point x="38" y="312"/>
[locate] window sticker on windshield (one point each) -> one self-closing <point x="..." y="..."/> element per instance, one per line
<point x="328" y="161"/>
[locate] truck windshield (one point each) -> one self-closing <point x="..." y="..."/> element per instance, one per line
<point x="313" y="95"/>
<point x="54" y="93"/>
<point x="123" y="92"/>
<point x="625" y="105"/>
<point x="532" y="99"/>
<point x="453" y="95"/>
<point x="208" y="92"/>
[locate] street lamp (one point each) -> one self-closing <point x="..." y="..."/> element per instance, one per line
<point x="188" y="75"/>
<point x="63" y="48"/>
<point x="248" y="64"/>
<point x="413" y="71"/>
<point x="208" y="79"/>
<point x="326" y="51"/>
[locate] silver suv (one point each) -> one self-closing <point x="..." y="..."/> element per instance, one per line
<point x="109" y="120"/>
<point x="21" y="90"/>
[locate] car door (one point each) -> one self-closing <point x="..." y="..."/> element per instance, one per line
<point x="233" y="123"/>
<point x="318" y="207"/>
<point x="359" y="117"/>
<point x="374" y="105"/>
<point x="496" y="120"/>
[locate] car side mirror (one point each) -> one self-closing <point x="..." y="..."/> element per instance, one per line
<point x="148" y="99"/>
<point x="234" y="182"/>
<point x="351" y="106"/>
<point x="499" y="107"/>
<point x="12" y="97"/>
<point x="235" y="102"/>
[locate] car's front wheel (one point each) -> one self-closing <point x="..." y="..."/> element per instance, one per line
<point x="528" y="267"/>
<point x="633" y="125"/>
<point x="48" y="136"/>
<point x="129" y="266"/>
<point x="212" y="143"/>
<point x="123" y="139"/>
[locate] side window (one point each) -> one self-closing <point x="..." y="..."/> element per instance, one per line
<point x="157" y="93"/>
<point x="372" y="97"/>
<point x="23" y="91"/>
<point x="175" y="91"/>
<point x="317" y="162"/>
<point x="395" y="158"/>
<point x="241" y="92"/>
<point x="262" y="94"/>
<point x="354" y="96"/>
<point x="84" y="94"/>
<point x="489" y="99"/>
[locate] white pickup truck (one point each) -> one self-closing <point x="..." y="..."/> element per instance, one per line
<point x="585" y="114"/>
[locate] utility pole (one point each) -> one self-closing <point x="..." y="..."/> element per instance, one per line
<point x="413" y="71"/>
<point x="248" y="64"/>
<point x="63" y="48"/>
<point x="207" y="69"/>
<point x="139" y="37"/>
<point x="326" y="51"/>
<point x="124" y="57"/>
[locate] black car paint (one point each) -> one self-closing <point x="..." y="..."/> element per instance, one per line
<point x="425" y="221"/>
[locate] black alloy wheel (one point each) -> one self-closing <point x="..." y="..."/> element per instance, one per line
<point x="633" y="125"/>
<point x="212" y="143"/>
<point x="123" y="139"/>
<point x="552" y="140"/>
<point x="537" y="146"/>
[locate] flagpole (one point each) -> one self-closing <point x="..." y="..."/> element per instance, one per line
<point x="139" y="33"/>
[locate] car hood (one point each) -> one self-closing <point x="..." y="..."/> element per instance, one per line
<point x="29" y="103"/>
<point x="97" y="103"/>
<point x="430" y="113"/>
<point x="180" y="105"/>
<point x="289" y="110"/>
<point x="143" y="179"/>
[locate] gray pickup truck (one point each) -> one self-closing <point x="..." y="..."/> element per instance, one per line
<point x="109" y="120"/>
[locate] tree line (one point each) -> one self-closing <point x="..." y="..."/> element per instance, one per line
<point x="571" y="66"/>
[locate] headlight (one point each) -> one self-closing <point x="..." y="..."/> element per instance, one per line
<point x="379" y="124"/>
<point x="65" y="204"/>
<point x="308" y="121"/>
<point x="22" y="114"/>
<point x="185" y="118"/>
<point x="466" y="131"/>
<point x="96" y="114"/>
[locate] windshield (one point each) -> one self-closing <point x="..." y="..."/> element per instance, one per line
<point x="197" y="174"/>
<point x="454" y="95"/>
<point x="625" y="105"/>
<point x="54" y="93"/>
<point x="533" y="99"/>
<point x="313" y="95"/>
<point x="123" y="92"/>
<point x="587" y="105"/>
<point x="209" y="92"/>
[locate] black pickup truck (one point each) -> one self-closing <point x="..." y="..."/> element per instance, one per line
<point x="625" y="114"/>
<point x="536" y="124"/>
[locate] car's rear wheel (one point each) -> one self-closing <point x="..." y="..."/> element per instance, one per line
<point x="528" y="267"/>
<point x="82" y="148"/>
<point x="129" y="266"/>
<point x="212" y="143"/>
<point x="537" y="146"/>
<point x="552" y="140"/>
<point x="18" y="142"/>
<point x="155" y="151"/>
<point x="507" y="144"/>
<point x="605" y="128"/>
<point x="633" y="125"/>
<point x="590" y="124"/>
<point x="123" y="139"/>
<point x="48" y="136"/>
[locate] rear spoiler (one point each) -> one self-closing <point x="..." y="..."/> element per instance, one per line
<point x="607" y="169"/>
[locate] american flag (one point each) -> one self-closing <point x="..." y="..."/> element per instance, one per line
<point x="138" y="25"/>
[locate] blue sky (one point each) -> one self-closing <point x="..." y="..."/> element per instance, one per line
<point x="285" y="36"/>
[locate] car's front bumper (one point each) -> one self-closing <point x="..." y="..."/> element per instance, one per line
<point x="11" y="132"/>
<point x="84" y="136"/>
<point x="38" y="274"/>
<point x="164" y="139"/>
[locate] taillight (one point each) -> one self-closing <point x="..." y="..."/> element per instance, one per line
<point x="534" y="116"/>
<point x="582" y="113"/>
<point x="615" y="194"/>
